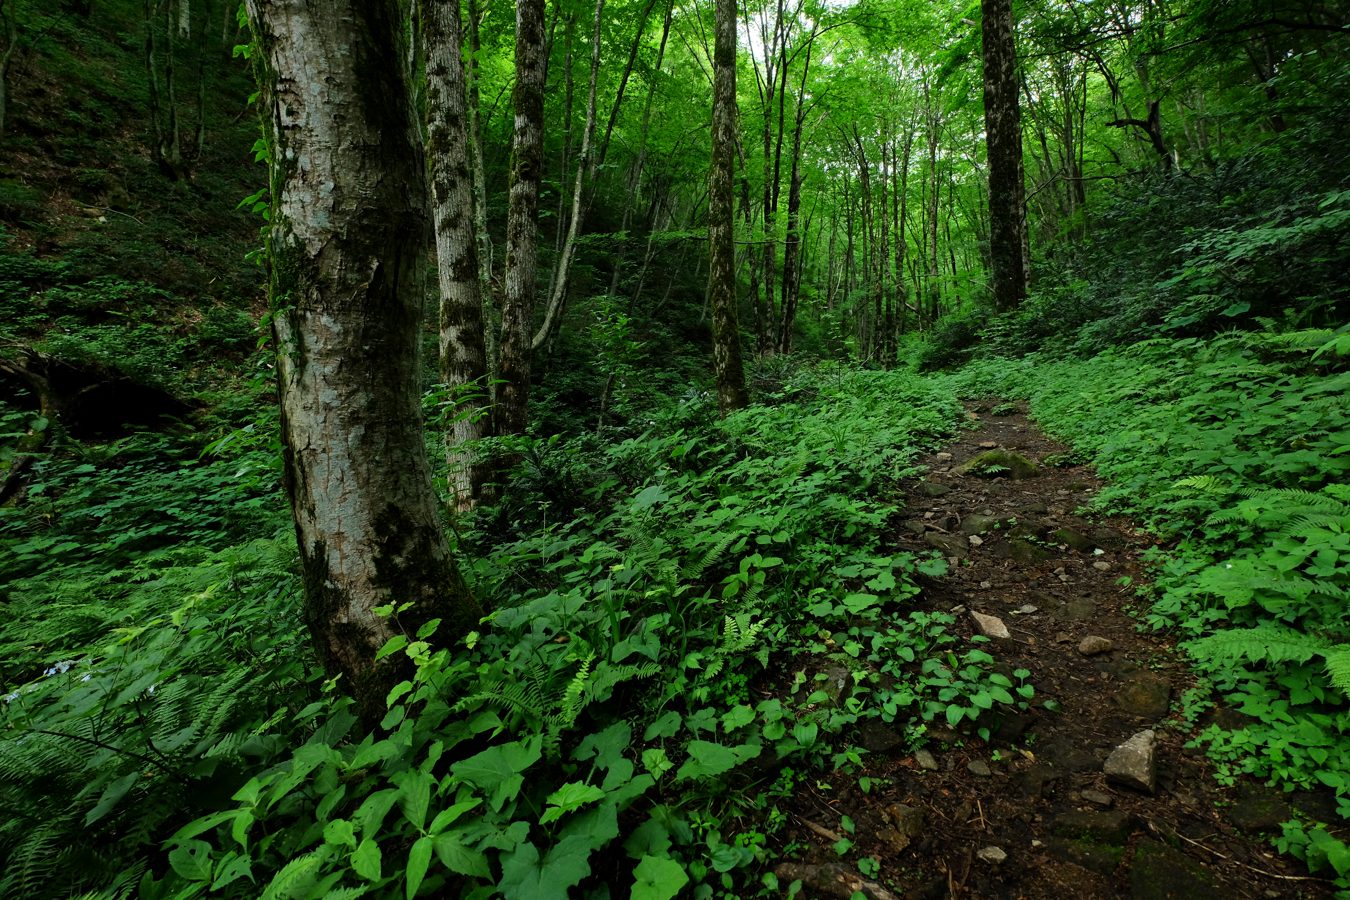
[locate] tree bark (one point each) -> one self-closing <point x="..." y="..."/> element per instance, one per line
<point x="527" y="160"/>
<point x="345" y="250"/>
<point x="1003" y="134"/>
<point x="730" y="375"/>
<point x="463" y="356"/>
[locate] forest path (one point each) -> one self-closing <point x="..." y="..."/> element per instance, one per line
<point x="1032" y="813"/>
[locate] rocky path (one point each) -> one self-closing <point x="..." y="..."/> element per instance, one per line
<point x="1091" y="792"/>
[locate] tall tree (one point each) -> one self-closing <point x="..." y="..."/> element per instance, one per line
<point x="463" y="354"/>
<point x="522" y="222"/>
<point x="1003" y="136"/>
<point x="726" y="329"/>
<point x="345" y="249"/>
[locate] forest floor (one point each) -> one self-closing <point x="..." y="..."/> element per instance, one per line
<point x="1032" y="813"/>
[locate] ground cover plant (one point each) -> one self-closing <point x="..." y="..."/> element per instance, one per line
<point x="1234" y="450"/>
<point x="613" y="681"/>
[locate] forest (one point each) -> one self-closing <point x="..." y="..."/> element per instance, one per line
<point x="674" y="448"/>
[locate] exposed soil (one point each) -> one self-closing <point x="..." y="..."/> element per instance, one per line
<point x="1037" y="792"/>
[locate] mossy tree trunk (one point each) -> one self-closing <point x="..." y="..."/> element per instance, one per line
<point x="348" y="228"/>
<point x="522" y="222"/>
<point x="1003" y="134"/>
<point x="726" y="329"/>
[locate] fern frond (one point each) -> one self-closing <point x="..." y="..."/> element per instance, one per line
<point x="1264" y="643"/>
<point x="1338" y="667"/>
<point x="710" y="558"/>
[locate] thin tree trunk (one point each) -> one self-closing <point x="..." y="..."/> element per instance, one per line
<point x="491" y="314"/>
<point x="584" y="174"/>
<point x="346" y="257"/>
<point x="1003" y="134"/>
<point x="730" y="376"/>
<point x="527" y="152"/>
<point x="463" y="356"/>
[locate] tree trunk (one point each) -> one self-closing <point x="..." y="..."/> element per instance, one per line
<point x="527" y="160"/>
<point x="345" y="248"/>
<point x="1003" y="133"/>
<point x="569" y="246"/>
<point x="463" y="356"/>
<point x="726" y="330"/>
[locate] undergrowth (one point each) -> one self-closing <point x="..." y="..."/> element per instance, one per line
<point x="1236" y="451"/>
<point x="647" y="596"/>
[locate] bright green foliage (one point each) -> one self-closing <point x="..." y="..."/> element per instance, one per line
<point x="1234" y="450"/>
<point x="663" y="575"/>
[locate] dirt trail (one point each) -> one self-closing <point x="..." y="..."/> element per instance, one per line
<point x="1032" y="813"/>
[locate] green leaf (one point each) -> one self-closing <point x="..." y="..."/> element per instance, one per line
<point x="340" y="832"/>
<point x="955" y="714"/>
<point x="707" y="759"/>
<point x="392" y="646"/>
<point x="649" y="497"/>
<point x="658" y="879"/>
<point x="460" y="859"/>
<point x="663" y="727"/>
<point x="569" y="798"/>
<point x="415" y="795"/>
<point x="112" y="795"/>
<point x="527" y="877"/>
<point x="498" y="770"/>
<point x="419" y="858"/>
<point x="366" y="860"/>
<point x="737" y="717"/>
<point x="231" y="869"/>
<point x="447" y="817"/>
<point x="192" y="861"/>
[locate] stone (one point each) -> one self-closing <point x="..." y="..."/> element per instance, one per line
<point x="979" y="767"/>
<point x="990" y="626"/>
<point x="1063" y="638"/>
<point x="1097" y="826"/>
<point x="950" y="544"/>
<point x="933" y="489"/>
<point x="992" y="855"/>
<point x="1025" y="609"/>
<point x="1259" y="809"/>
<point x="1073" y="540"/>
<point x="1159" y="871"/>
<point x="837" y="683"/>
<point x="988" y="445"/>
<point x="976" y="523"/>
<point x="1012" y="727"/>
<point x="1079" y="610"/>
<point x="926" y="760"/>
<point x="1024" y="551"/>
<point x="908" y="820"/>
<point x="1102" y="859"/>
<point x="994" y="463"/>
<point x="975" y="540"/>
<point x="914" y="526"/>
<point x="1102" y="565"/>
<point x="876" y="737"/>
<point x="1098" y="798"/>
<point x="1065" y="755"/>
<point x="1095" y="645"/>
<point x="1145" y="694"/>
<point x="944" y="456"/>
<point x="1133" y="763"/>
<point x="986" y="585"/>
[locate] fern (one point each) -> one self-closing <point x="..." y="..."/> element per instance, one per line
<point x="1338" y="667"/>
<point x="1264" y="643"/>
